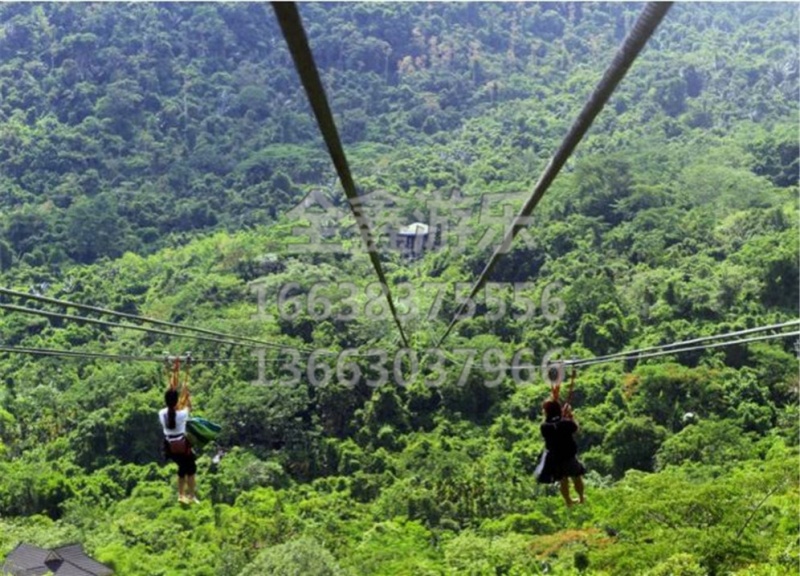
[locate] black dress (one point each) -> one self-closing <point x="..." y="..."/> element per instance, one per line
<point x="562" y="452"/>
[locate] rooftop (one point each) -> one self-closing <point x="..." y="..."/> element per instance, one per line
<point x="70" y="560"/>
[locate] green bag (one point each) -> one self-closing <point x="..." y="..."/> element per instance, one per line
<point x="201" y="431"/>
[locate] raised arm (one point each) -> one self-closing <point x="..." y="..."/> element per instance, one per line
<point x="566" y="414"/>
<point x="185" y="400"/>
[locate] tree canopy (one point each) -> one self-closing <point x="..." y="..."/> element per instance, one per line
<point x="161" y="160"/>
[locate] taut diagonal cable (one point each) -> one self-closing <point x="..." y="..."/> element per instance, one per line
<point x="155" y="322"/>
<point x="295" y="35"/>
<point x="96" y="355"/>
<point x="683" y="344"/>
<point x="645" y="25"/>
<point x="107" y="324"/>
<point x="672" y="351"/>
<point x="77" y="354"/>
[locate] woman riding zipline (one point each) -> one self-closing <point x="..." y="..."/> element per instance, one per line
<point x="560" y="461"/>
<point x="174" y="418"/>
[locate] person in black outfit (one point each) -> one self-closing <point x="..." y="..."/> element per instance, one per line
<point x="558" y="430"/>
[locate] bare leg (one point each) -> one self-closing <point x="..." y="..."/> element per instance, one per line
<point x="564" y="485"/>
<point x="181" y="486"/>
<point x="578" y="481"/>
<point x="191" y="483"/>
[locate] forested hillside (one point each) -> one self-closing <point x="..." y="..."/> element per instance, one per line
<point x="161" y="160"/>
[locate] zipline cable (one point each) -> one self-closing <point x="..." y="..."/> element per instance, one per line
<point x="78" y="354"/>
<point x="628" y="353"/>
<point x="69" y="304"/>
<point x="108" y="324"/>
<point x="295" y="35"/>
<point x="105" y="356"/>
<point x="644" y="27"/>
<point x="637" y="354"/>
<point x="693" y="348"/>
<point x="599" y="360"/>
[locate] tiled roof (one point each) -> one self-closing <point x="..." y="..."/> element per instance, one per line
<point x="63" y="568"/>
<point x="74" y="554"/>
<point x="27" y="560"/>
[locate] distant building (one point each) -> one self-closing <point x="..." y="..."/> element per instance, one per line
<point x="324" y="223"/>
<point x="412" y="240"/>
<point x="27" y="560"/>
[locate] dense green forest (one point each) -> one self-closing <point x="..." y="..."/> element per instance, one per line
<point x="162" y="160"/>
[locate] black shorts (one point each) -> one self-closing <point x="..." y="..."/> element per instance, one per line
<point x="569" y="468"/>
<point x="187" y="463"/>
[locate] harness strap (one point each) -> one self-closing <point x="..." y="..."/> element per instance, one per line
<point x="183" y="401"/>
<point x="174" y="380"/>
<point x="571" y="387"/>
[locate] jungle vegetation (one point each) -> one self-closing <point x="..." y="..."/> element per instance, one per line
<point x="155" y="160"/>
